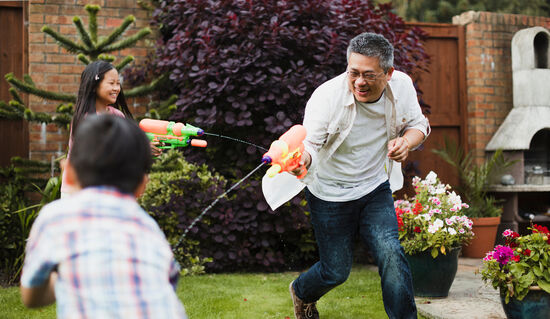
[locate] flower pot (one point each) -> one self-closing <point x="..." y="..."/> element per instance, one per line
<point x="536" y="305"/>
<point x="485" y="230"/>
<point x="433" y="277"/>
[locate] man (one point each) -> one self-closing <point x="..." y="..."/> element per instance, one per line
<point x="359" y="124"/>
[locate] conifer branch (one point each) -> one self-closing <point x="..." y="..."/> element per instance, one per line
<point x="82" y="58"/>
<point x="84" y="36"/>
<point x="107" y="57"/>
<point x="124" y="62"/>
<point x="145" y="88"/>
<point x="15" y="95"/>
<point x="63" y="41"/>
<point x="25" y="87"/>
<point x="27" y="78"/>
<point x="92" y="20"/>
<point x="18" y="107"/>
<point x="116" y="33"/>
<point x="128" y="42"/>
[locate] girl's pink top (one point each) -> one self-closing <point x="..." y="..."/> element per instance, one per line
<point x="65" y="188"/>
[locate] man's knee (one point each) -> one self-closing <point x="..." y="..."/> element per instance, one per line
<point x="335" y="275"/>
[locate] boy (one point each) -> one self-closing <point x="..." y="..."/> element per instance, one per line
<point x="98" y="253"/>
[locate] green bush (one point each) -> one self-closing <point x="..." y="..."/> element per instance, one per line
<point x="12" y="241"/>
<point x="161" y="189"/>
<point x="16" y="216"/>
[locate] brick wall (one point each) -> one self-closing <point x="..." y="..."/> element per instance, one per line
<point x="54" y="69"/>
<point x="489" y="70"/>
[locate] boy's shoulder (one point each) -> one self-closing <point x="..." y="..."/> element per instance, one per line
<point x="94" y="201"/>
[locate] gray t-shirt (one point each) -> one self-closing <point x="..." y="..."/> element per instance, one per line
<point x="357" y="167"/>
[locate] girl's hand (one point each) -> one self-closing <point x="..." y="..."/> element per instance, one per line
<point x="155" y="150"/>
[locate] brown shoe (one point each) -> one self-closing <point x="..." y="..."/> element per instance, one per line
<point x="303" y="310"/>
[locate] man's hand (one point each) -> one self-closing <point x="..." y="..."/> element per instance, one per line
<point x="398" y="149"/>
<point x="305" y="162"/>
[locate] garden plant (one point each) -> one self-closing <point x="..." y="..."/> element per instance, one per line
<point x="433" y="219"/>
<point x="521" y="263"/>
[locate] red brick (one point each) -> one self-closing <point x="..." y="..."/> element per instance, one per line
<point x="113" y="23"/>
<point x="61" y="58"/>
<point x="36" y="18"/>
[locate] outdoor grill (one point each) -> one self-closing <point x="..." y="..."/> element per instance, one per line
<point x="525" y="133"/>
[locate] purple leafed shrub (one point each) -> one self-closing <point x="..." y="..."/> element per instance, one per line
<point x="238" y="234"/>
<point x="245" y="68"/>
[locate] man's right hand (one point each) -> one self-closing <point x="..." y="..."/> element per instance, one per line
<point x="305" y="162"/>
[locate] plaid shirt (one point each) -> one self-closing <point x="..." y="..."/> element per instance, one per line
<point x="112" y="259"/>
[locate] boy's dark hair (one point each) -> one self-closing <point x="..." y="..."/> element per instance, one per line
<point x="110" y="151"/>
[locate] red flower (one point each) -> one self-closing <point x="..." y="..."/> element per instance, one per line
<point x="400" y="223"/>
<point x="540" y="229"/>
<point x="399" y="211"/>
<point x="527" y="252"/>
<point x="515" y="258"/>
<point x="417" y="208"/>
<point x="417" y="229"/>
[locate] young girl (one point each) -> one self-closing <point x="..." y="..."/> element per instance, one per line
<point x="99" y="92"/>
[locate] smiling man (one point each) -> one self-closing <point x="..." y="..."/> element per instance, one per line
<point x="360" y="126"/>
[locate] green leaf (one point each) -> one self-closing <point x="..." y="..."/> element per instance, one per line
<point x="434" y="252"/>
<point x="544" y="285"/>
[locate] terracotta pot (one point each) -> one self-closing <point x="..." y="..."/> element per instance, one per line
<point x="485" y="230"/>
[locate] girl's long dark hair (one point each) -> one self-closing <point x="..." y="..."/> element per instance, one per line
<point x="87" y="92"/>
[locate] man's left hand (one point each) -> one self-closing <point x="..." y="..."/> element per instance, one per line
<point x="398" y="149"/>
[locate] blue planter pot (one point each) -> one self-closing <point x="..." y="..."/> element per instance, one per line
<point x="536" y="305"/>
<point x="433" y="277"/>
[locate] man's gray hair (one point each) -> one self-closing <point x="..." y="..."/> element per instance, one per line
<point x="372" y="45"/>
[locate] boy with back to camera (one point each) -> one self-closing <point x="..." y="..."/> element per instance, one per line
<point x="98" y="253"/>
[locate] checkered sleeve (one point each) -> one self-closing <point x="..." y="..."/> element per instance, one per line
<point x="39" y="257"/>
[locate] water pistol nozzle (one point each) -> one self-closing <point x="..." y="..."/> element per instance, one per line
<point x="267" y="159"/>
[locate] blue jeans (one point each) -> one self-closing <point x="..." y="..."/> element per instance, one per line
<point x="336" y="225"/>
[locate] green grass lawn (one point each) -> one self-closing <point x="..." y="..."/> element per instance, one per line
<point x="245" y="296"/>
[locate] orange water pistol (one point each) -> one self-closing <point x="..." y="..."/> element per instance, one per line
<point x="285" y="153"/>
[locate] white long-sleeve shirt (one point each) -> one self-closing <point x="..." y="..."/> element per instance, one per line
<point x="329" y="117"/>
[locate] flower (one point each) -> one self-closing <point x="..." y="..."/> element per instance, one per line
<point x="522" y="262"/>
<point x="431" y="220"/>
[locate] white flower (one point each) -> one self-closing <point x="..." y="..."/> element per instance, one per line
<point x="432" y="228"/>
<point x="448" y="221"/>
<point x="431" y="178"/>
<point x="451" y="231"/>
<point x="438" y="223"/>
<point x="454" y="199"/>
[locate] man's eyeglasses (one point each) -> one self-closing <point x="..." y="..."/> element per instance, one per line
<point x="368" y="76"/>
